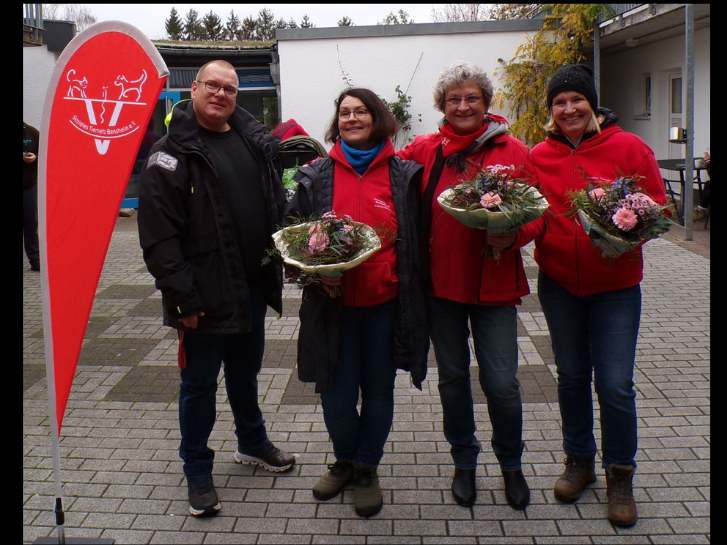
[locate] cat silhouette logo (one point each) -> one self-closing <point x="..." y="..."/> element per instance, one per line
<point x="103" y="119"/>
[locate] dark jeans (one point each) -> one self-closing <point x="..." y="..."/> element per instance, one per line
<point x="494" y="332"/>
<point x="242" y="356"/>
<point x="367" y="336"/>
<point x="30" y="225"/>
<point x="595" y="334"/>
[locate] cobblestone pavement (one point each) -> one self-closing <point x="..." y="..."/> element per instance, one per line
<point x="123" y="478"/>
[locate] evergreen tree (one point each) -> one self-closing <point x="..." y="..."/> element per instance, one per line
<point x="401" y="18"/>
<point x="281" y="23"/>
<point x="174" y="26"/>
<point x="345" y="21"/>
<point x="212" y="26"/>
<point x="292" y="23"/>
<point x="192" y="26"/>
<point x="265" y="25"/>
<point x="232" y="27"/>
<point x="248" y="29"/>
<point x="306" y="22"/>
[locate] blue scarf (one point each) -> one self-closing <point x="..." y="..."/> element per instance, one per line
<point x="360" y="159"/>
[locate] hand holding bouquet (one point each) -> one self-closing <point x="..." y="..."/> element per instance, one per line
<point x="326" y="247"/>
<point x="494" y="200"/>
<point x="618" y="216"/>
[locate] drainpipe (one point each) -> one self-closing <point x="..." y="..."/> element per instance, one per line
<point x="597" y="56"/>
<point x="689" y="111"/>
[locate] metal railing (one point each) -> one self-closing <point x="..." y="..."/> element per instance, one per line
<point x="33" y="24"/>
<point x="614" y="10"/>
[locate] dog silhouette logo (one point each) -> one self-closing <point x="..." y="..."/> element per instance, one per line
<point x="95" y="125"/>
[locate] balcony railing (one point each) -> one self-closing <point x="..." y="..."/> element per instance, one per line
<point x="617" y="9"/>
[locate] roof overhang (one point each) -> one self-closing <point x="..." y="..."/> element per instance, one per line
<point x="648" y="23"/>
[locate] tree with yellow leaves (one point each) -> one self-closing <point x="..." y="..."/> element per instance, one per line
<point x="565" y="37"/>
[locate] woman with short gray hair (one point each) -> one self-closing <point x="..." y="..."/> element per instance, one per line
<point x="470" y="288"/>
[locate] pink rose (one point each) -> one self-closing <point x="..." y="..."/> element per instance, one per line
<point x="597" y="194"/>
<point x="318" y="239"/>
<point x="490" y="200"/>
<point x="625" y="219"/>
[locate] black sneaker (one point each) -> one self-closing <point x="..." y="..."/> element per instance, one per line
<point x="267" y="456"/>
<point x="203" y="500"/>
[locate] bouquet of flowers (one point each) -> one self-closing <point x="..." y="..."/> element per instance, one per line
<point x="494" y="200"/>
<point x="326" y="247"/>
<point x="618" y="216"/>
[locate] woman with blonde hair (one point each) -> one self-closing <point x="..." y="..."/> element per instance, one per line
<point x="592" y="304"/>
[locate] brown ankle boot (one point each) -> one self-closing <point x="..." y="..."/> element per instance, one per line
<point x="621" y="504"/>
<point x="579" y="473"/>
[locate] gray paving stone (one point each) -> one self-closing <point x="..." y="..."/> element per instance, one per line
<point x="232" y="538"/>
<point x="337" y="540"/>
<point x="475" y="528"/>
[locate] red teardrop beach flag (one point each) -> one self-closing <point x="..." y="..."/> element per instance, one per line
<point x="102" y="94"/>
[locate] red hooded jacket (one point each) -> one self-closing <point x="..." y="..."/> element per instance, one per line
<point x="461" y="271"/>
<point x="367" y="198"/>
<point x="563" y="250"/>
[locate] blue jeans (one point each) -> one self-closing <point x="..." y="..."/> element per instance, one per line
<point x="368" y="364"/>
<point x="595" y="334"/>
<point x="242" y="356"/>
<point x="494" y="332"/>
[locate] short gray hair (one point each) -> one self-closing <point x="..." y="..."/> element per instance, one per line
<point x="457" y="74"/>
<point x="221" y="62"/>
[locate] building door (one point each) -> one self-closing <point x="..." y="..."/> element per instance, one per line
<point x="676" y="117"/>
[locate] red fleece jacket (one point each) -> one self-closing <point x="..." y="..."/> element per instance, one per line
<point x="367" y="198"/>
<point x="461" y="270"/>
<point x="563" y="250"/>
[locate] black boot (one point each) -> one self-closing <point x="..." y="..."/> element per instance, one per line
<point x="516" y="489"/>
<point x="464" y="487"/>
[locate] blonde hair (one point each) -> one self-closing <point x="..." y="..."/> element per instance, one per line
<point x="593" y="125"/>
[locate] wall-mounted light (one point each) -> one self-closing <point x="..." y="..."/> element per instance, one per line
<point x="677" y="135"/>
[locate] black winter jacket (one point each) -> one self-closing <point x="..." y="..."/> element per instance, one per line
<point x="319" y="339"/>
<point x="187" y="232"/>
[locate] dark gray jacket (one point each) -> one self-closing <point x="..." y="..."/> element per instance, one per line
<point x="319" y="341"/>
<point x="187" y="232"/>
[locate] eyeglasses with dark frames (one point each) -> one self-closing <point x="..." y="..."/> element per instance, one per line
<point x="214" y="88"/>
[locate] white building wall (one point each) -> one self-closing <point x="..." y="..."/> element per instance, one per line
<point x="621" y="76"/>
<point x="311" y="79"/>
<point x="38" y="65"/>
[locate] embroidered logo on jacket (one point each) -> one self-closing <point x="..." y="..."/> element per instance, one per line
<point x="378" y="203"/>
<point x="163" y="160"/>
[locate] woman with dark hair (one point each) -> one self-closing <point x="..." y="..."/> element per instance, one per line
<point x="592" y="304"/>
<point x="378" y="324"/>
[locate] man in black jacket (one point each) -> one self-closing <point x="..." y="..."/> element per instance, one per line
<point x="209" y="201"/>
<point x="30" y="195"/>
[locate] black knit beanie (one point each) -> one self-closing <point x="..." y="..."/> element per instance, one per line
<point x="573" y="77"/>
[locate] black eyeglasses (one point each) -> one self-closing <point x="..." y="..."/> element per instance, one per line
<point x="214" y="88"/>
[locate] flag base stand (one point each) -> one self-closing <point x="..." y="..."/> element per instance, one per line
<point x="74" y="541"/>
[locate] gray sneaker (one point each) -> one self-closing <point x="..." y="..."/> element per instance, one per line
<point x="267" y="456"/>
<point x="203" y="500"/>
<point x="334" y="480"/>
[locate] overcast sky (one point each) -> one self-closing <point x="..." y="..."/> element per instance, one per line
<point x="149" y="18"/>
